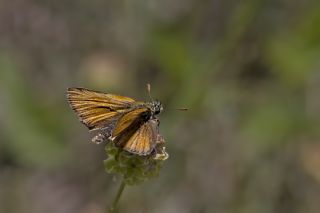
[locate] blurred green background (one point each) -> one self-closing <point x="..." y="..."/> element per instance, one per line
<point x="249" y="72"/>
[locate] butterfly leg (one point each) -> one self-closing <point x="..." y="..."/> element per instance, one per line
<point x="160" y="139"/>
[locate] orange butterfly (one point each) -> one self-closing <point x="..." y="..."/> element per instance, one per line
<point x="130" y="124"/>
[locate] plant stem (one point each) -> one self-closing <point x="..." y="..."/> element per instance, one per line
<point x="116" y="200"/>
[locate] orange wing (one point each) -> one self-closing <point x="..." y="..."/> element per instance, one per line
<point x="95" y="109"/>
<point x="144" y="140"/>
<point x="132" y="120"/>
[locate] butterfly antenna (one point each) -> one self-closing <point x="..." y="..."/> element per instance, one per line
<point x="149" y="91"/>
<point x="182" y="109"/>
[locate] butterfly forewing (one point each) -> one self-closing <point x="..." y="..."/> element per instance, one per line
<point x="132" y="119"/>
<point x="94" y="108"/>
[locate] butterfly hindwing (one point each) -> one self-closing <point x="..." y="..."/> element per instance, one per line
<point x="103" y="134"/>
<point x="144" y="140"/>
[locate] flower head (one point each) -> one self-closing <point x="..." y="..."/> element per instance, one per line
<point x="134" y="168"/>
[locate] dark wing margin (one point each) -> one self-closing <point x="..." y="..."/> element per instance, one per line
<point x="96" y="109"/>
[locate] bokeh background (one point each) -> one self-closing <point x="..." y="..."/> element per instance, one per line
<point x="249" y="72"/>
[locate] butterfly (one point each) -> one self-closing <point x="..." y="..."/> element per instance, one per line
<point x="131" y="125"/>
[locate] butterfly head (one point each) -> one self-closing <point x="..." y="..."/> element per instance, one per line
<point x="156" y="107"/>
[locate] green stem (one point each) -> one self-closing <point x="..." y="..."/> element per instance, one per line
<point x="116" y="200"/>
